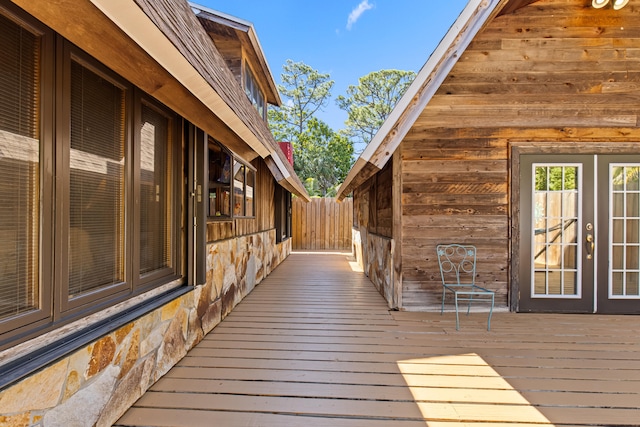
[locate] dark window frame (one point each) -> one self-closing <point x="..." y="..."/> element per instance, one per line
<point x="253" y="91"/>
<point x="70" y="306"/>
<point x="55" y="308"/>
<point x="43" y="314"/>
<point x="219" y="181"/>
<point x="283" y="207"/>
<point x="150" y="280"/>
<point x="235" y="164"/>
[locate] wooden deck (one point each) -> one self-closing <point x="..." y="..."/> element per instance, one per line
<point x="314" y="345"/>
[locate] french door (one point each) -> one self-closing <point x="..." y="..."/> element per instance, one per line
<point x="579" y="233"/>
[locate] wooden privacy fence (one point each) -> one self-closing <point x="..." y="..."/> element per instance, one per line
<point x="322" y="224"/>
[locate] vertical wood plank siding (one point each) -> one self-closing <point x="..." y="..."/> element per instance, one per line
<point x="555" y="71"/>
<point x="322" y="224"/>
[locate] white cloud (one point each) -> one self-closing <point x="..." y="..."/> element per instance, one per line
<point x="357" y="13"/>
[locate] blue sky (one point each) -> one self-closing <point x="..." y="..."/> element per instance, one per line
<point x="345" y="38"/>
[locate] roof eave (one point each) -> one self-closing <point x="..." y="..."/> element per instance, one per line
<point x="285" y="177"/>
<point x="273" y="88"/>
<point x="132" y="20"/>
<point x="378" y="152"/>
<point x="247" y="28"/>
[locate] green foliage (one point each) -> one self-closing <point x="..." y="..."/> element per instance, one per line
<point x="305" y="91"/>
<point x="626" y="178"/>
<point x="555" y="178"/>
<point x="322" y="157"/>
<point x="370" y="102"/>
<point x="311" y="185"/>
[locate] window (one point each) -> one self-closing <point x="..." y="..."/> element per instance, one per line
<point x="231" y="185"/>
<point x="250" y="184"/>
<point x="282" y="214"/>
<point x="219" y="181"/>
<point x="20" y="151"/>
<point x="238" y="189"/>
<point x="252" y="90"/>
<point x="155" y="191"/>
<point x="243" y="189"/>
<point x="97" y="222"/>
<point x="96" y="183"/>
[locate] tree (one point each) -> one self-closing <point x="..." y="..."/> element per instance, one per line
<point x="322" y="157"/>
<point x="305" y="91"/>
<point x="555" y="178"/>
<point x="370" y="102"/>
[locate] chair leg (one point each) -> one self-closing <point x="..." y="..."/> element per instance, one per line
<point x="443" y="296"/>
<point x="457" y="319"/>
<point x="490" y="312"/>
<point x="469" y="305"/>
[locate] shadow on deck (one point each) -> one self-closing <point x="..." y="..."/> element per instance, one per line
<point x="314" y="345"/>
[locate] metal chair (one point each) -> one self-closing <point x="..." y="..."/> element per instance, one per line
<point x="458" y="271"/>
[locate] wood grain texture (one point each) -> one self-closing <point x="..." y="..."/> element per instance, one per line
<point x="322" y="224"/>
<point x="264" y="210"/>
<point x="546" y="73"/>
<point x="314" y="344"/>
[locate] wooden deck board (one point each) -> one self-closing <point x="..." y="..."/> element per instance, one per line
<point x="496" y="361"/>
<point x="463" y="370"/>
<point x="315" y="345"/>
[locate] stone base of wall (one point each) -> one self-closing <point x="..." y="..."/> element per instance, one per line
<point x="98" y="383"/>
<point x="374" y="254"/>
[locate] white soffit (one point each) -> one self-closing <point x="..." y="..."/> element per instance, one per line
<point x="283" y="169"/>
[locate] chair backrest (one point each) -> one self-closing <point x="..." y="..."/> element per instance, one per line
<point x="457" y="264"/>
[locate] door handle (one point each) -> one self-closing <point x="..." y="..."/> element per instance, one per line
<point x="591" y="244"/>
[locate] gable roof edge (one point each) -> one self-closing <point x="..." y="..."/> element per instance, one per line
<point x="132" y="20"/>
<point x="246" y="27"/>
<point x="378" y="152"/>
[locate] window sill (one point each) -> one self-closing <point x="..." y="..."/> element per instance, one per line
<point x="29" y="363"/>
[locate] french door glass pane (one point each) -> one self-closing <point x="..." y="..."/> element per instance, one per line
<point x="625" y="231"/>
<point x="97" y="162"/>
<point x="555" y="232"/>
<point x="19" y="169"/>
<point x="155" y="192"/>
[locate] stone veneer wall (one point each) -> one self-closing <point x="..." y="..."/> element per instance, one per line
<point x="374" y="254"/>
<point x="98" y="383"/>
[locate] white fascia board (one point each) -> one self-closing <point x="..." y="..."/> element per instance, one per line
<point x="281" y="167"/>
<point x="253" y="36"/>
<point x="232" y="21"/>
<point x="127" y="15"/>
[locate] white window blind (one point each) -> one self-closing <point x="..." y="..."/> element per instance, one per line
<point x="155" y="192"/>
<point x="19" y="169"/>
<point x="97" y="165"/>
